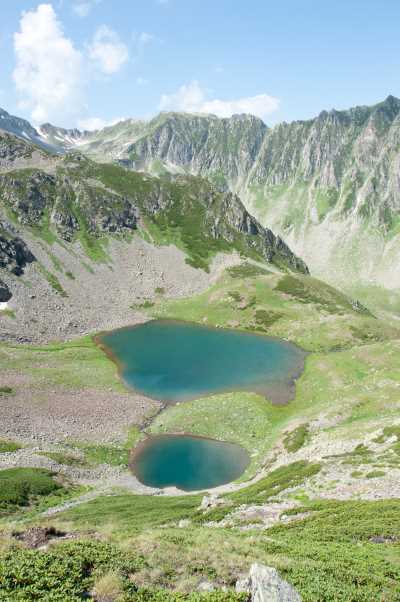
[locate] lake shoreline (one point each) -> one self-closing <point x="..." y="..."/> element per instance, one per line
<point x="278" y="397"/>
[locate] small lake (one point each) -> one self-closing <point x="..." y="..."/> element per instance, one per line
<point x="187" y="462"/>
<point x="175" y="361"/>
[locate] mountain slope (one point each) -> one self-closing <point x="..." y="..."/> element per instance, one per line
<point x="65" y="216"/>
<point x="329" y="185"/>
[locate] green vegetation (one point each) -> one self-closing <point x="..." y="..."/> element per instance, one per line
<point x="341" y="551"/>
<point x="247" y="270"/>
<point x="325" y="201"/>
<point x="78" y="364"/>
<point x="53" y="281"/>
<point x="331" y="554"/>
<point x="63" y="458"/>
<point x="374" y="474"/>
<point x="7" y="313"/>
<point x="278" y="480"/>
<point x="7" y="446"/>
<point x="4" y="390"/>
<point x="68" y="571"/>
<point x="294" y="440"/>
<point x="20" y="486"/>
<point x="130" y="514"/>
<point x="114" y="455"/>
<point x="294" y="307"/>
<point x="146" y="304"/>
<point x="243" y="418"/>
<point x="388" y="433"/>
<point x="264" y="319"/>
<point x="309" y="290"/>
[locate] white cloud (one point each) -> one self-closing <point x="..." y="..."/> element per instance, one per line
<point x="107" y="50"/>
<point x="48" y="67"/>
<point x="83" y="7"/>
<point x="192" y="98"/>
<point x="96" y="123"/>
<point x="145" y="38"/>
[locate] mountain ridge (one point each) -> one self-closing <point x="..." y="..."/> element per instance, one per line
<point x="329" y="186"/>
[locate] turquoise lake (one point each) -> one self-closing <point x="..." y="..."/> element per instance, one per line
<point x="187" y="462"/>
<point x="176" y="361"/>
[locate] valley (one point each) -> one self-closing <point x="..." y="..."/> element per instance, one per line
<point x="93" y="241"/>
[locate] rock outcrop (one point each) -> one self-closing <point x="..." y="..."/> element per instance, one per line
<point x="70" y="204"/>
<point x="328" y="186"/>
<point x="5" y="293"/>
<point x="14" y="254"/>
<point x="77" y="199"/>
<point x="265" y="585"/>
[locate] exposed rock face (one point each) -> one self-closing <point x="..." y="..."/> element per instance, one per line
<point x="5" y="293"/>
<point x="330" y="186"/>
<point x="36" y="197"/>
<point x="265" y="585"/>
<point x="78" y="199"/>
<point x="14" y="254"/>
<point x="211" y="501"/>
<point x="21" y="128"/>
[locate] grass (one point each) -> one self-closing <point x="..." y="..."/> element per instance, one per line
<point x="349" y="381"/>
<point x="330" y="555"/>
<point x="375" y="474"/>
<point x="294" y="440"/>
<point x="53" y="281"/>
<point x="294" y="307"/>
<point x="78" y="364"/>
<point x="277" y="481"/>
<point x="7" y="313"/>
<point x="128" y="514"/>
<point x="69" y="571"/>
<point x="309" y="290"/>
<point x="7" y="446"/>
<point x="356" y="389"/>
<point x="4" y="390"/>
<point x="114" y="455"/>
<point x="247" y="270"/>
<point x="19" y="486"/>
<point x="63" y="458"/>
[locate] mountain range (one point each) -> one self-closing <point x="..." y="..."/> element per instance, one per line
<point x="329" y="186"/>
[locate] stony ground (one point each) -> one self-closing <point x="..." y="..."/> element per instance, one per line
<point x="98" y="295"/>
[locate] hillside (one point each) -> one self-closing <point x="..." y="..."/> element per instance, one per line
<point x="65" y="220"/>
<point x="87" y="246"/>
<point x="329" y="185"/>
<point x="319" y="500"/>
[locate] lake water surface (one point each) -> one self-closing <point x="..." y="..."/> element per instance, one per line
<point x="187" y="462"/>
<point x="176" y="361"/>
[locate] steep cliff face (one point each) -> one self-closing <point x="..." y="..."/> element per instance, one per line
<point x="14" y="253"/>
<point x="73" y="199"/>
<point x="221" y="149"/>
<point x="330" y="186"/>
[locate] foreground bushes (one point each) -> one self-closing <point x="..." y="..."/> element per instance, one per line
<point x="68" y="572"/>
<point x="18" y="486"/>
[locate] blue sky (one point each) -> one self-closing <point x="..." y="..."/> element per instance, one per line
<point x="89" y="62"/>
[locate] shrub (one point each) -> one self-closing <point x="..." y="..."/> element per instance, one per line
<point x="19" y="485"/>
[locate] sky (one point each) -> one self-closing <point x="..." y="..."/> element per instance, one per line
<point x="88" y="63"/>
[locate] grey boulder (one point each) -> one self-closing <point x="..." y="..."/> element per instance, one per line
<point x="265" y="585"/>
